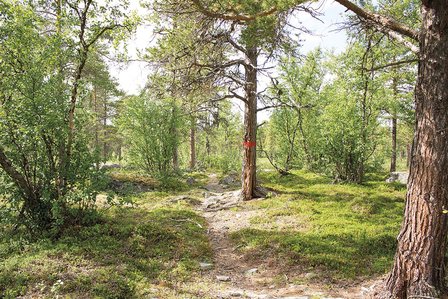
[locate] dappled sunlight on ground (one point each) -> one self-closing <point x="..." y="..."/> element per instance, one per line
<point x="310" y="238"/>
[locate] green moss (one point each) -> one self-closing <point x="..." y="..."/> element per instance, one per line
<point x="129" y="247"/>
<point x="339" y="231"/>
<point x="349" y="229"/>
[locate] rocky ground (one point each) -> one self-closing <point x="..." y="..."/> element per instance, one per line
<point x="243" y="277"/>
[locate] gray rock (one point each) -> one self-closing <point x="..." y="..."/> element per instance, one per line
<point x="223" y="278"/>
<point x="252" y="271"/>
<point x="179" y="198"/>
<point x="206" y="266"/>
<point x="106" y="166"/>
<point x="191" y="181"/>
<point x="400" y="177"/>
<point x="236" y="294"/>
<point x="231" y="179"/>
<point x="222" y="201"/>
<point x="310" y="275"/>
<point x="185" y="198"/>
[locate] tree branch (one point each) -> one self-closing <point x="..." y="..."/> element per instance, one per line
<point x="16" y="176"/>
<point x="232" y="17"/>
<point x="396" y="63"/>
<point x="380" y="20"/>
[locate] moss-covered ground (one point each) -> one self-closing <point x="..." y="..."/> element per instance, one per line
<point x="153" y="247"/>
<point x="343" y="231"/>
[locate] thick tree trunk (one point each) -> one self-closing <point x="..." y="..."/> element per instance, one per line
<point x="21" y="181"/>
<point x="249" y="180"/>
<point x="33" y="206"/>
<point x="419" y="267"/>
<point x="393" y="158"/>
<point x="193" y="144"/>
<point x="408" y="155"/>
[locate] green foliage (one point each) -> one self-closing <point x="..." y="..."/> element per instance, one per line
<point x="350" y="126"/>
<point x="291" y="139"/>
<point x="33" y="126"/>
<point x="339" y="125"/>
<point x="102" y="104"/>
<point x="126" y="253"/>
<point x="219" y="142"/>
<point x="150" y="127"/>
<point x="45" y="157"/>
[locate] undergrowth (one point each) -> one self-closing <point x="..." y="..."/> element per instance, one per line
<point x="127" y="253"/>
<point x="345" y="231"/>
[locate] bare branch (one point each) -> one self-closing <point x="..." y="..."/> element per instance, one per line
<point x="380" y="20"/>
<point x="235" y="95"/>
<point x="396" y="63"/>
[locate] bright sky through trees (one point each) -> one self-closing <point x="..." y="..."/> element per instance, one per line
<point x="132" y="76"/>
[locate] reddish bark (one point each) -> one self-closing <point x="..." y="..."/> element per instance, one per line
<point x="249" y="179"/>
<point x="419" y="266"/>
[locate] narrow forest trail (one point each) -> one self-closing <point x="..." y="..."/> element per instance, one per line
<point x="255" y="277"/>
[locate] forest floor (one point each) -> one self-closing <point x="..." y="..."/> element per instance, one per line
<point x="191" y="239"/>
<point x="264" y="276"/>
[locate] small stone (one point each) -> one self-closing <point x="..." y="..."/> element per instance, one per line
<point x="176" y="199"/>
<point x="206" y="266"/>
<point x="252" y="271"/>
<point x="191" y="181"/>
<point x="110" y="166"/>
<point x="236" y="294"/>
<point x="401" y="177"/>
<point x="310" y="275"/>
<point x="231" y="179"/>
<point x="223" y="278"/>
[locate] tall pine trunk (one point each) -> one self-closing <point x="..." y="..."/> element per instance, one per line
<point x="393" y="158"/>
<point x="419" y="266"/>
<point x="408" y="154"/>
<point x="249" y="179"/>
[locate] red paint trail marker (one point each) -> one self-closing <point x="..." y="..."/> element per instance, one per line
<point x="249" y="144"/>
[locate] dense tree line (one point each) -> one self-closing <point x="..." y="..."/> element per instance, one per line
<point x="49" y="69"/>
